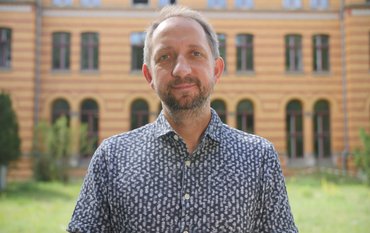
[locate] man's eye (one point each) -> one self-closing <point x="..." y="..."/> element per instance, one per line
<point x="196" y="53"/>
<point x="164" y="57"/>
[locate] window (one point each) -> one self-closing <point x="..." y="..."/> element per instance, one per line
<point x="292" y="4"/>
<point x="166" y="2"/>
<point x="60" y="107"/>
<point x="321" y="126"/>
<point x="220" y="108"/>
<point x="293" y="53"/>
<point x="222" y="46"/>
<point x="90" y="117"/>
<point x="319" y="4"/>
<point x="139" y="113"/>
<point x="61" y="50"/>
<point x="90" y="3"/>
<point x="320" y="53"/>
<point x="89" y="51"/>
<point x="244" y="116"/>
<point x="137" y="49"/>
<point x="140" y="2"/>
<point x="244" y="52"/>
<point x="294" y="129"/>
<point x="5" y="47"/>
<point x="244" y="4"/>
<point x="62" y="2"/>
<point x="216" y="3"/>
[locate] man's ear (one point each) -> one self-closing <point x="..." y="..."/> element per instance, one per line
<point x="219" y="68"/>
<point x="147" y="74"/>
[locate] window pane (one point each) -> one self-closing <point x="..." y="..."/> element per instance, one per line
<point x="244" y="53"/>
<point x="322" y="141"/>
<point x="222" y="47"/>
<point x="220" y="108"/>
<point x="245" y="118"/>
<point x="166" y="2"/>
<point x="61" y="50"/>
<point x="294" y="129"/>
<point x="90" y="116"/>
<point x="217" y="3"/>
<point x="60" y="108"/>
<point x="137" y="50"/>
<point x="139" y="114"/>
<point x="89" y="51"/>
<point x="244" y="3"/>
<point x="140" y="1"/>
<point x="5" y="47"/>
<point x="293" y="53"/>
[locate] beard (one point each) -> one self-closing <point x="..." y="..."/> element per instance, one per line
<point x="187" y="100"/>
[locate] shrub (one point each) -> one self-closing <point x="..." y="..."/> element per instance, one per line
<point x="362" y="157"/>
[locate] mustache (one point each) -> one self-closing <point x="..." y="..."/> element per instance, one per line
<point x="186" y="80"/>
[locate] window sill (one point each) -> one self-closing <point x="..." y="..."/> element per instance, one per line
<point x="294" y="73"/>
<point x="60" y="71"/>
<point x="319" y="74"/>
<point x="90" y="72"/>
<point x="5" y="69"/>
<point x="249" y="73"/>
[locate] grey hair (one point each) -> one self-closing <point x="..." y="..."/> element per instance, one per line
<point x="185" y="12"/>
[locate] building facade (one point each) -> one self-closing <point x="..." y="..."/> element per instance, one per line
<point x="297" y="71"/>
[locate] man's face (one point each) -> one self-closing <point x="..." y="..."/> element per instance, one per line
<point x="183" y="71"/>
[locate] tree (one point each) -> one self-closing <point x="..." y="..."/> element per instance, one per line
<point x="362" y="157"/>
<point x="9" y="137"/>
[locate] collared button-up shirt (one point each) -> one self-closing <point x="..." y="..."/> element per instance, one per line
<point x="146" y="181"/>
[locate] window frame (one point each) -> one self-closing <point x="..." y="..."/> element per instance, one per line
<point x="217" y="4"/>
<point x="91" y="49"/>
<point x="5" y="47"/>
<point x="222" y="48"/>
<point x="293" y="53"/>
<point x="137" y="50"/>
<point x="319" y="4"/>
<point x="62" y="3"/>
<point x="292" y="4"/>
<point x="63" y="49"/>
<point x="244" y="4"/>
<point x="245" y="48"/>
<point x="320" y="47"/>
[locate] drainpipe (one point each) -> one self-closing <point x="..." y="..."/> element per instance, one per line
<point x="345" y="152"/>
<point x="37" y="87"/>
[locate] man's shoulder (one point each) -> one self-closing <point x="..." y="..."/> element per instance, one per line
<point x="130" y="137"/>
<point x="234" y="135"/>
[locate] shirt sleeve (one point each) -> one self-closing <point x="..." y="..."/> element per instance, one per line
<point x="92" y="212"/>
<point x="275" y="213"/>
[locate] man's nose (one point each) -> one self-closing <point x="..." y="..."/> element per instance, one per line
<point x="181" y="68"/>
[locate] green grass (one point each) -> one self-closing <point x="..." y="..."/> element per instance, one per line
<point x="329" y="203"/>
<point x="321" y="203"/>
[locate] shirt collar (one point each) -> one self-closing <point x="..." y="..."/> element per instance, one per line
<point x="163" y="127"/>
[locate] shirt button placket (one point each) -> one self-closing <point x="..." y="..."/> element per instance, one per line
<point x="187" y="197"/>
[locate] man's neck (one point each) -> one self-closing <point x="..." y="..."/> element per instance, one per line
<point x="190" y="124"/>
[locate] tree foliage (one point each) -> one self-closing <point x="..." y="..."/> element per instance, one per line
<point x="362" y="157"/>
<point x="52" y="150"/>
<point x="9" y="137"/>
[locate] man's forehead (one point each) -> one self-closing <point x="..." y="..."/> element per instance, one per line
<point x="177" y="23"/>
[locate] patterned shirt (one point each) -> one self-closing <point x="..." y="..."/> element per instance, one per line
<point x="146" y="181"/>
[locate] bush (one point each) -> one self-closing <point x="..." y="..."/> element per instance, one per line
<point x="362" y="157"/>
<point x="52" y="150"/>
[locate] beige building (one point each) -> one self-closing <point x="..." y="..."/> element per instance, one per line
<point x="297" y="71"/>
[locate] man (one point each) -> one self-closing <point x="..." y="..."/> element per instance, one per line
<point x="186" y="172"/>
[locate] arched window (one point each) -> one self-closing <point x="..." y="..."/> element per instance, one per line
<point x="244" y="116"/>
<point x="90" y="117"/>
<point x="60" y="107"/>
<point x="220" y="107"/>
<point x="294" y="129"/>
<point x="321" y="127"/>
<point x="139" y="113"/>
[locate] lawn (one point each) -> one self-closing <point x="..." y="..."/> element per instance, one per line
<point x="320" y="203"/>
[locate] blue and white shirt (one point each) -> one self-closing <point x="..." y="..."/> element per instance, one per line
<point x="146" y="181"/>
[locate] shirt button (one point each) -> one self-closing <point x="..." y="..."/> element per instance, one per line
<point x="176" y="137"/>
<point x="186" y="232"/>
<point x="187" y="163"/>
<point x="187" y="196"/>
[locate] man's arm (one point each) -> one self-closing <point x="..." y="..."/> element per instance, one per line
<point x="92" y="213"/>
<point x="276" y="216"/>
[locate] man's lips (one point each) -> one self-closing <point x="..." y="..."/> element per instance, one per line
<point x="184" y="86"/>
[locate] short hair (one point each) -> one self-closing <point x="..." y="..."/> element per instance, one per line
<point x="185" y="12"/>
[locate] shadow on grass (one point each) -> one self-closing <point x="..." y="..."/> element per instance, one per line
<point x="39" y="191"/>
